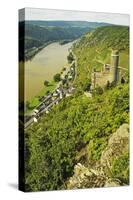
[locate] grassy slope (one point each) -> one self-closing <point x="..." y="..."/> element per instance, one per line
<point x="77" y="120"/>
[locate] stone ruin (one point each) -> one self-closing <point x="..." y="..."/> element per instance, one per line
<point x="109" y="72"/>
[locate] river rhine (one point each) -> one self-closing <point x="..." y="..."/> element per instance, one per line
<point x="44" y="66"/>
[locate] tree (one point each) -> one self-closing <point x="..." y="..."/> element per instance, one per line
<point x="27" y="105"/>
<point x="46" y="83"/>
<point x="113" y="84"/>
<point x="108" y="85"/>
<point x="64" y="81"/>
<point x="99" y="90"/>
<point x="47" y="92"/>
<point x="120" y="168"/>
<point x="64" y="69"/>
<point x="122" y="80"/>
<point x="86" y="86"/>
<point x="70" y="57"/>
<point x="57" y="77"/>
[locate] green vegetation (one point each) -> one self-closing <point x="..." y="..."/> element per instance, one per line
<point x="87" y="85"/>
<point x="27" y="105"/>
<point x="35" y="100"/>
<point x="36" y="34"/>
<point x="99" y="90"/>
<point x="70" y="57"/>
<point x="94" y="49"/>
<point x="57" y="77"/>
<point x="32" y="34"/>
<point x="33" y="103"/>
<point x="120" y="168"/>
<point x="96" y="146"/>
<point x="78" y="121"/>
<point x="46" y="83"/>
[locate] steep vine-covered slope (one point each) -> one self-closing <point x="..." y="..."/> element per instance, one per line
<point x="94" y="50"/>
<point x="81" y="129"/>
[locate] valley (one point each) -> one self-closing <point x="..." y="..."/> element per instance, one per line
<point x="80" y="135"/>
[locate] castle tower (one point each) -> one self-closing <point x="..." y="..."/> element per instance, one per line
<point x="114" y="65"/>
<point x="93" y="78"/>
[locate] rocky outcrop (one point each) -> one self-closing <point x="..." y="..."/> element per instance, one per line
<point x="96" y="176"/>
<point x="117" y="145"/>
<point x="85" y="178"/>
<point x="89" y="178"/>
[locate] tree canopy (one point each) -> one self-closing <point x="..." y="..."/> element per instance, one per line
<point x="57" y="77"/>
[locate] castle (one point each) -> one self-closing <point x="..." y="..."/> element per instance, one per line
<point x="109" y="72"/>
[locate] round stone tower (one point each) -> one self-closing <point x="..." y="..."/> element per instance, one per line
<point x="114" y="65"/>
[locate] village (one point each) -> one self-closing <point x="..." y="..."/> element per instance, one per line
<point x="64" y="89"/>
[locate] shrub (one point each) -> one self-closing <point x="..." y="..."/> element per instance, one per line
<point x="120" y="168"/>
<point x="70" y="57"/>
<point x="46" y="83"/>
<point x="57" y="77"/>
<point x="95" y="148"/>
<point x="99" y="90"/>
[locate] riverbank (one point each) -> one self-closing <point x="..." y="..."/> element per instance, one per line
<point x="64" y="88"/>
<point x="48" y="62"/>
<point x="36" y="100"/>
<point x="40" y="65"/>
<point x="30" y="53"/>
<point x="67" y="79"/>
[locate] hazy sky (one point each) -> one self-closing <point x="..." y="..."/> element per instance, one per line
<point x="49" y="14"/>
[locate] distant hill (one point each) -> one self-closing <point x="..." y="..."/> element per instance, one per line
<point x="67" y="23"/>
<point x="45" y="34"/>
<point x="39" y="32"/>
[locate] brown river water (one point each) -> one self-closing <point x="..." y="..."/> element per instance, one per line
<point x="44" y="66"/>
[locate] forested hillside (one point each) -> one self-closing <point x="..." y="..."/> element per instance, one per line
<point x="39" y="32"/>
<point x="36" y="35"/>
<point x="79" y="128"/>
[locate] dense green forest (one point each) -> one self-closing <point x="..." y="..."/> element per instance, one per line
<point x="79" y="122"/>
<point x="45" y="34"/>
